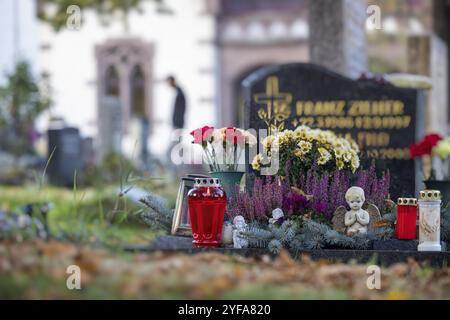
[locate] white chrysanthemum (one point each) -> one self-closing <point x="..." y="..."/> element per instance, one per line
<point x="301" y="132"/>
<point x="338" y="152"/>
<point x="325" y="156"/>
<point x="347" y="156"/>
<point x="305" y="146"/>
<point x="267" y="142"/>
<point x="257" y="161"/>
<point x="285" y="137"/>
<point x="355" y="164"/>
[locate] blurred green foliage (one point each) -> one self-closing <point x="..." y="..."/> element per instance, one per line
<point x="96" y="216"/>
<point x="22" y="99"/>
<point x="55" y="12"/>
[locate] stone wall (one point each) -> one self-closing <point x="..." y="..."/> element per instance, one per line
<point x="337" y="35"/>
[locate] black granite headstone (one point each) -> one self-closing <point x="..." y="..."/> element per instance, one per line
<point x="384" y="120"/>
<point x="64" y="147"/>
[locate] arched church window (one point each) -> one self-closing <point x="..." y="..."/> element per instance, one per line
<point x="137" y="84"/>
<point x="111" y="82"/>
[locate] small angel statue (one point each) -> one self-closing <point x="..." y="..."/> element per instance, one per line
<point x="239" y="226"/>
<point x="357" y="220"/>
<point x="277" y="216"/>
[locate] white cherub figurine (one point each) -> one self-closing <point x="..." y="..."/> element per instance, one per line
<point x="357" y="219"/>
<point x="239" y="225"/>
<point x="277" y="214"/>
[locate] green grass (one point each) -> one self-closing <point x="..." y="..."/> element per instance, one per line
<point x="98" y="216"/>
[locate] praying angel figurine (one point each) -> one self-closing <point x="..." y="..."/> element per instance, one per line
<point x="356" y="220"/>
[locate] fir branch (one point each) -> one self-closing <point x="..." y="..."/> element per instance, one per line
<point x="158" y="216"/>
<point x="275" y="246"/>
<point x="257" y="237"/>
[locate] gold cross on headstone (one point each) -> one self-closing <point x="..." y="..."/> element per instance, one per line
<point x="278" y="108"/>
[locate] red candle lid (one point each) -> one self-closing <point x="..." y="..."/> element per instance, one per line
<point x="407" y="201"/>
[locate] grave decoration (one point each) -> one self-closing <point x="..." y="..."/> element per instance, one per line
<point x="224" y="152"/>
<point x="303" y="148"/>
<point x="181" y="224"/>
<point x="357" y="131"/>
<point x="356" y="220"/>
<point x="275" y="215"/>
<point x="405" y="228"/>
<point x="383" y="119"/>
<point x="207" y="202"/>
<point x="227" y="233"/>
<point x="435" y="149"/>
<point x="296" y="209"/>
<point x="239" y="229"/>
<point x="429" y="220"/>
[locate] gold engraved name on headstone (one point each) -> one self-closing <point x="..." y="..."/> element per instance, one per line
<point x="277" y="105"/>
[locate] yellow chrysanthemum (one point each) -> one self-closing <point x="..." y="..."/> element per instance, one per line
<point x="285" y="137"/>
<point x="305" y="146"/>
<point x="442" y="149"/>
<point x="347" y="156"/>
<point x="267" y="142"/>
<point x="339" y="153"/>
<point x="325" y="156"/>
<point x="257" y="161"/>
<point x="354" y="164"/>
<point x="340" y="164"/>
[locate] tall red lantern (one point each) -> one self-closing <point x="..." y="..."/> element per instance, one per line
<point x="207" y="202"/>
<point x="406" y="218"/>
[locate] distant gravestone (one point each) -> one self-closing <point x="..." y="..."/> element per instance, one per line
<point x="384" y="120"/>
<point x="110" y="126"/>
<point x="64" y="152"/>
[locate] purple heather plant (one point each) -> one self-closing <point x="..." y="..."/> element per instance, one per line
<point x="294" y="203"/>
<point x="326" y="188"/>
<point x="376" y="189"/>
<point x="266" y="195"/>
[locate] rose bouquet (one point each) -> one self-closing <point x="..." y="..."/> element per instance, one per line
<point x="304" y="148"/>
<point x="432" y="148"/>
<point x="224" y="151"/>
<point x="223" y="148"/>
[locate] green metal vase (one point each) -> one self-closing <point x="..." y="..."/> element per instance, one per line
<point x="230" y="181"/>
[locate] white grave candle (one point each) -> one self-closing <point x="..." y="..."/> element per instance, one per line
<point x="429" y="220"/>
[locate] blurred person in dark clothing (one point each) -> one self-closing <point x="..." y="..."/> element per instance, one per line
<point x="179" y="108"/>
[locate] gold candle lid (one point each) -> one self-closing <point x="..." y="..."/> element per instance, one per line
<point x="430" y="195"/>
<point x="407" y="201"/>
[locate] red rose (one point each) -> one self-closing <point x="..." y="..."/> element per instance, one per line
<point x="425" y="146"/>
<point x="234" y="135"/>
<point x="202" y="135"/>
<point x="431" y="141"/>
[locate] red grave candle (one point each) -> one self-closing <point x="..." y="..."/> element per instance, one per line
<point x="207" y="202"/>
<point x="406" y="219"/>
